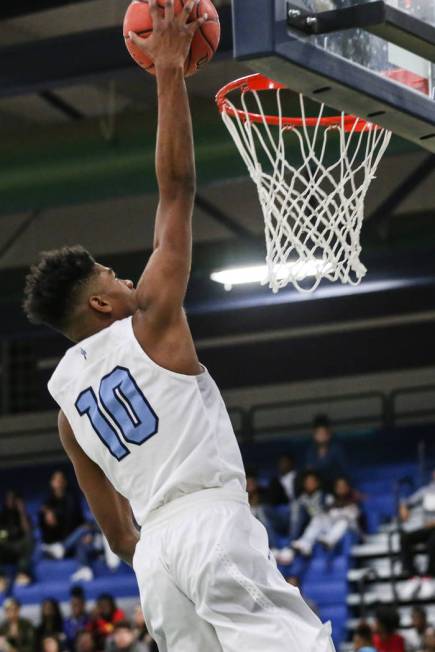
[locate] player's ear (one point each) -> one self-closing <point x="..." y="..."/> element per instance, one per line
<point x="100" y="304"/>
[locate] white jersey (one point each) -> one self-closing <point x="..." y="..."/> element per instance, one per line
<point x="156" y="434"/>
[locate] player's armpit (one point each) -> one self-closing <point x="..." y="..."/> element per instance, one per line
<point x="111" y="510"/>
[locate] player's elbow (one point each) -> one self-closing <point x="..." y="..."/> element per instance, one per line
<point x="123" y="546"/>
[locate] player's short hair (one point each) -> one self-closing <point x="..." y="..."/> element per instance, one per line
<point x="52" y="285"/>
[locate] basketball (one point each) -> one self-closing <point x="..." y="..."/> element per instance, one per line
<point x="204" y="44"/>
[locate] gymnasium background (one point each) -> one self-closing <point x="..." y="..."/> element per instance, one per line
<point x="77" y="134"/>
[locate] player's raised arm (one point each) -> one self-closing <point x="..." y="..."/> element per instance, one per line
<point x="162" y="287"/>
<point x="111" y="510"/>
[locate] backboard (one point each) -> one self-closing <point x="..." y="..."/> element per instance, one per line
<point x="371" y="58"/>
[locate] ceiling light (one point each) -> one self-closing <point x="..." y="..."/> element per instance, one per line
<point x="259" y="273"/>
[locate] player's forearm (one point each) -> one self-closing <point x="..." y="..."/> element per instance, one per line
<point x="175" y="161"/>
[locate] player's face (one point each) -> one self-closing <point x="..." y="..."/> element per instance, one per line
<point x="120" y="292"/>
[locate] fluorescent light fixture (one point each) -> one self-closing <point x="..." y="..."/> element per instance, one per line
<point x="259" y="273"/>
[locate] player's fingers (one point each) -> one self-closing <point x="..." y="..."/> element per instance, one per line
<point x="155" y="13"/>
<point x="197" y="23"/>
<point x="137" y="40"/>
<point x="169" y="11"/>
<point x="187" y="10"/>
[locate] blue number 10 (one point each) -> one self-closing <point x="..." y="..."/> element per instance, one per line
<point x="128" y="408"/>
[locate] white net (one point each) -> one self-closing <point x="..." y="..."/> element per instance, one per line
<point x="311" y="190"/>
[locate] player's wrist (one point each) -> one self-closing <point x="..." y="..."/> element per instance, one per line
<point x="168" y="67"/>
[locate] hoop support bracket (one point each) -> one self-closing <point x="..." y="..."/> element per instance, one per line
<point x="376" y="17"/>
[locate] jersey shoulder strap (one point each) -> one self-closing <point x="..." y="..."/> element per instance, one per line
<point x="88" y="353"/>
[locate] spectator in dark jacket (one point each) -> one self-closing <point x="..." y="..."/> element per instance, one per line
<point x="51" y="622"/>
<point x="16" y="634"/>
<point x="325" y="455"/>
<point x="16" y="540"/>
<point x="60" y="515"/>
<point x="78" y="619"/>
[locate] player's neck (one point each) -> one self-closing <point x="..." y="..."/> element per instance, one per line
<point x="84" y="330"/>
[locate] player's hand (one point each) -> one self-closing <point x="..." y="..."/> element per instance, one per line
<point x="170" y="41"/>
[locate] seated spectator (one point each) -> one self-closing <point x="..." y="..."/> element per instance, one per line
<point x="85" y="642"/>
<point x="63" y="529"/>
<point x="106" y="615"/>
<point x="51" y="622"/>
<point x="416" y="635"/>
<point x="417" y="514"/>
<point x="310" y="503"/>
<point x="363" y="639"/>
<point x="16" y="540"/>
<point x="282" y="488"/>
<point x="386" y="638"/>
<point x="60" y="515"/>
<point x="78" y="619"/>
<point x="255" y="496"/>
<point x="50" y="644"/>
<point x="141" y="631"/>
<point x="17" y="633"/>
<point x="329" y="527"/>
<point x="325" y="455"/>
<point x="124" y="640"/>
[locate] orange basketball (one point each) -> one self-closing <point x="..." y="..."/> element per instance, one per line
<point x="205" y="41"/>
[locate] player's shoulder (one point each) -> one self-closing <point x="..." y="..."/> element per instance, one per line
<point x="88" y="352"/>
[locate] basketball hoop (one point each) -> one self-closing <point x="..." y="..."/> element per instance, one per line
<point x="313" y="206"/>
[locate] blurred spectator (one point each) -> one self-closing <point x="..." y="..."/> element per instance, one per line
<point x="141" y="631"/>
<point x="325" y="455"/>
<point x="256" y="498"/>
<point x="50" y="644"/>
<point x="417" y="514"/>
<point x="51" y="622"/>
<point x="282" y="488"/>
<point x="363" y="639"/>
<point x="386" y="638"/>
<point x="105" y="616"/>
<point x="64" y="531"/>
<point x="310" y="503"/>
<point x="16" y="540"/>
<point x="329" y="527"/>
<point x="124" y="640"/>
<point x="429" y="640"/>
<point x="16" y="634"/>
<point x="85" y="642"/>
<point x="79" y="618"/>
<point x="416" y="635"/>
<point x="60" y="515"/>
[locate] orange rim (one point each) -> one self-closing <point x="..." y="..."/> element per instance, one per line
<point x="260" y="82"/>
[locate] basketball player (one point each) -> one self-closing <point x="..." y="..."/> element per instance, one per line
<point x="145" y="426"/>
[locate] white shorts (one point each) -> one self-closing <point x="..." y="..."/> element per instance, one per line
<point x="209" y="584"/>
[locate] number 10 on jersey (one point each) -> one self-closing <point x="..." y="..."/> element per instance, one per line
<point x="132" y="418"/>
